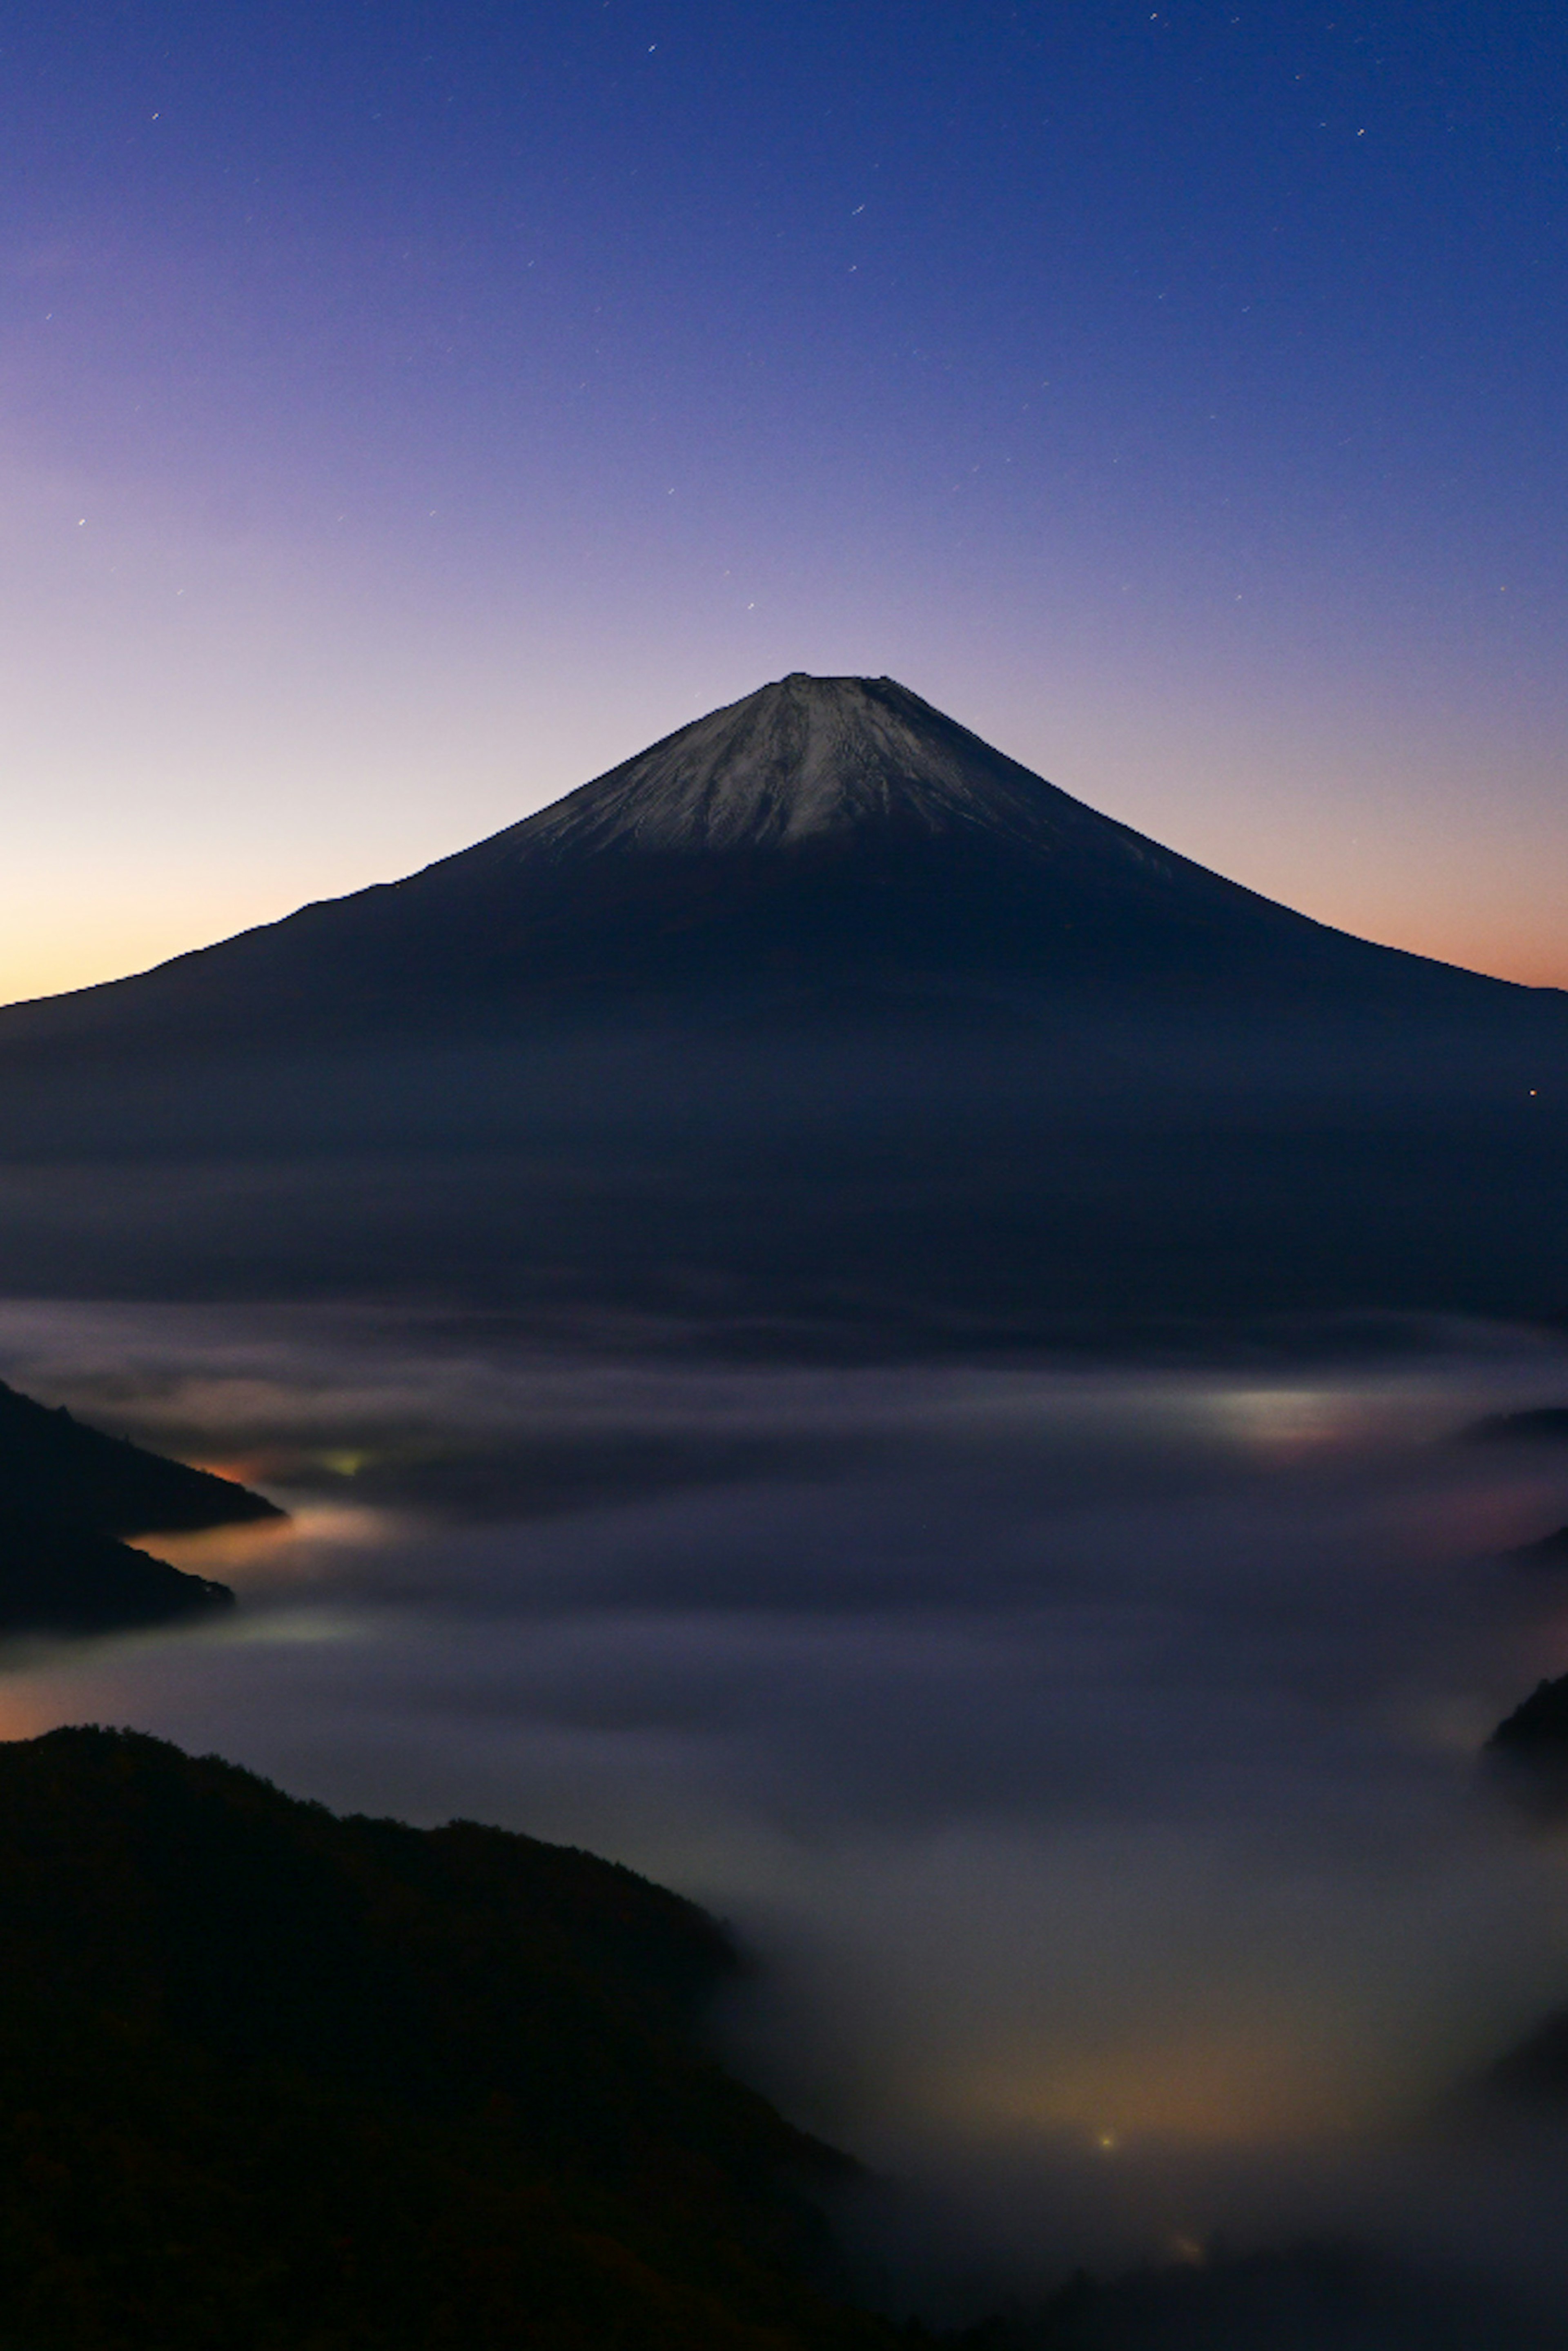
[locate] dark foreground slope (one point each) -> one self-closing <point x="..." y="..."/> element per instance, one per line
<point x="68" y="1494"/>
<point x="275" y="2081"/>
<point x="271" y="2078"/>
<point x="821" y="1008"/>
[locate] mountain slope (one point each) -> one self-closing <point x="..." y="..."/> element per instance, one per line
<point x="66" y="1493"/>
<point x="830" y="841"/>
<point x="279" y="2080"/>
<point x="54" y="1467"/>
<point x="63" y="1579"/>
<point x="821" y="1008"/>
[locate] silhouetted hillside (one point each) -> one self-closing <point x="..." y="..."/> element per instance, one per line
<point x="282" y="2082"/>
<point x="66" y="1493"/>
<point x="1543" y="1424"/>
<point x="1538" y="1728"/>
<point x="1527" y="1754"/>
<point x="56" y="1468"/>
<point x="66" y="1579"/>
<point x="1547" y="1551"/>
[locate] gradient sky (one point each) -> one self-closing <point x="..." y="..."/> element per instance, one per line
<point x="408" y="410"/>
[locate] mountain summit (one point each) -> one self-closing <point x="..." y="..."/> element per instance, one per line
<point x="804" y="758"/>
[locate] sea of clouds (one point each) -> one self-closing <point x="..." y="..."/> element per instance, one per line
<point x="1085" y="1750"/>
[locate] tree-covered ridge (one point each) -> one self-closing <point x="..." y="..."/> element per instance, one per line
<point x="67" y="1494"/>
<point x="55" y="1469"/>
<point x="284" y="2081"/>
<point x="66" y="1579"/>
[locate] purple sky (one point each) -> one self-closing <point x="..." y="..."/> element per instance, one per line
<point x="407" y="412"/>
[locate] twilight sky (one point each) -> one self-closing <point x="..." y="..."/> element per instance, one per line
<point x="407" y="411"/>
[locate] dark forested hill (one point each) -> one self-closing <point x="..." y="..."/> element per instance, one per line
<point x="56" y="1468"/>
<point x="279" y="2080"/>
<point x="67" y="1494"/>
<point x="65" y="1579"/>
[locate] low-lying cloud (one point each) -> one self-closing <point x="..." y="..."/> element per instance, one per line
<point x="1088" y="1751"/>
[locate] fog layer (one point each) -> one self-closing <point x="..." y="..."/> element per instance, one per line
<point x="1087" y="1751"/>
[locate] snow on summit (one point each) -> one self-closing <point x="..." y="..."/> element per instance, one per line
<point x="799" y="758"/>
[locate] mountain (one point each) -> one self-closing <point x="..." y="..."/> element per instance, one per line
<point x="833" y="843"/>
<point x="820" y="1012"/>
<point x="68" y="1493"/>
<point x="1527" y="1754"/>
<point x="280" y="2080"/>
<point x="54" y="1467"/>
<point x="65" y="1579"/>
